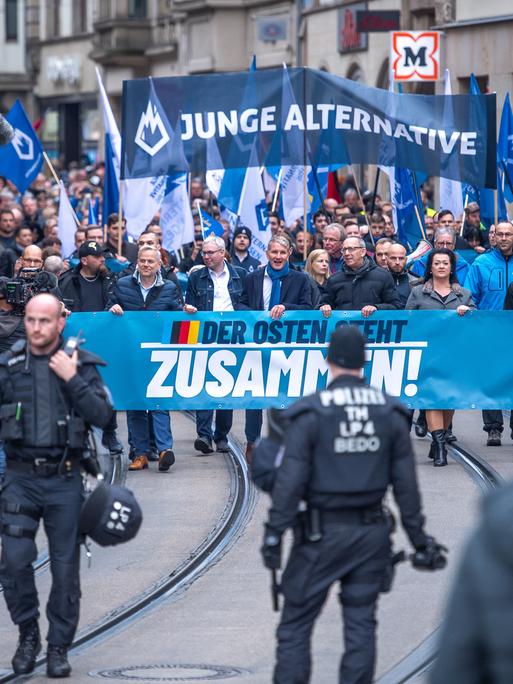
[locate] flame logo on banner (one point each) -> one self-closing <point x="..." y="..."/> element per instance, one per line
<point x="146" y="131"/>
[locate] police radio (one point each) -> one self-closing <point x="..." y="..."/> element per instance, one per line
<point x="73" y="344"/>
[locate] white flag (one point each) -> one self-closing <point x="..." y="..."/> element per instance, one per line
<point x="141" y="197"/>
<point x="67" y="224"/>
<point x="175" y="214"/>
<point x="451" y="196"/>
<point x="292" y="193"/>
<point x="215" y="171"/>
<point x="253" y="213"/>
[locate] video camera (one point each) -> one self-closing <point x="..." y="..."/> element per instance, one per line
<point x="28" y="283"/>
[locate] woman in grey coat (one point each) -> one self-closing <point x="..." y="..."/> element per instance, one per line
<point x="440" y="291"/>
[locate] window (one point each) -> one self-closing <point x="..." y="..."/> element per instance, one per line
<point x="53" y="19"/>
<point x="79" y="16"/>
<point x="11" y="20"/>
<point x="137" y="8"/>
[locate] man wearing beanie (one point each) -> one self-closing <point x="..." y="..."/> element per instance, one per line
<point x="240" y="256"/>
<point x="343" y="447"/>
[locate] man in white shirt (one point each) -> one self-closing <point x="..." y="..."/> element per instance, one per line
<point x="217" y="287"/>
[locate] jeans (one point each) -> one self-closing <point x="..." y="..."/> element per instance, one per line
<point x="139" y="429"/>
<point x="253" y="426"/>
<point x="224" y="419"/>
<point x="494" y="420"/>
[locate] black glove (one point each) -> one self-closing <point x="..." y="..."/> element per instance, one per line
<point x="271" y="549"/>
<point x="430" y="556"/>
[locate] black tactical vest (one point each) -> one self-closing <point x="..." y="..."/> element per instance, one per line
<point x="35" y="409"/>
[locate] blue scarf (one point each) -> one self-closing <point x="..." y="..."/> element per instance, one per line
<point x="276" y="277"/>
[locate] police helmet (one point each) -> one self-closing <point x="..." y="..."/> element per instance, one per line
<point x="110" y="515"/>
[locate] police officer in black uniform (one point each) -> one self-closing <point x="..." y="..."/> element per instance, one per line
<point x="344" y="446"/>
<point x="48" y="399"/>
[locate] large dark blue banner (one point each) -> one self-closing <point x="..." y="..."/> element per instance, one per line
<point x="328" y="120"/>
<point x="430" y="359"/>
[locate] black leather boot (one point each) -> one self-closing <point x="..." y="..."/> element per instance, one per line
<point x="421" y="427"/>
<point x="57" y="664"/>
<point x="440" y="451"/>
<point x="29" y="645"/>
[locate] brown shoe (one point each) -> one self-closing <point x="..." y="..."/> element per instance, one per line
<point x="166" y="460"/>
<point x="139" y="463"/>
<point x="249" y="452"/>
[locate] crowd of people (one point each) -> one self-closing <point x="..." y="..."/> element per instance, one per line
<point x="348" y="258"/>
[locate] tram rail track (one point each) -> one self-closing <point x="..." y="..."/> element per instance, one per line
<point x="225" y="533"/>
<point x="414" y="666"/>
<point x="236" y="514"/>
<point x="116" y="475"/>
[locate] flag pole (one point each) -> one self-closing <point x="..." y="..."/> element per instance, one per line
<point x="120" y="217"/>
<point x="495" y="207"/>
<point x="305" y="215"/>
<point x="198" y="205"/>
<point x="51" y="167"/>
<point x="375" y="193"/>
<point x="422" y="232"/>
<point x="277" y="190"/>
<point x="58" y="181"/>
<point x="363" y="205"/>
<point x="463" y="217"/>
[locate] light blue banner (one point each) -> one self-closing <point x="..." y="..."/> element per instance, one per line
<point x="430" y="359"/>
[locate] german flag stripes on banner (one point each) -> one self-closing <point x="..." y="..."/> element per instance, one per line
<point x="185" y="332"/>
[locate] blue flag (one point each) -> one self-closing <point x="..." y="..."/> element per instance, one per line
<point x="404" y="202"/>
<point x="484" y="197"/>
<point x="210" y="225"/>
<point x="22" y="158"/>
<point x="110" y="183"/>
<point x="505" y="149"/>
<point x="92" y="213"/>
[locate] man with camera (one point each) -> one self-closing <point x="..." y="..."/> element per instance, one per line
<point x="344" y="447"/>
<point x="50" y="394"/>
<point x="29" y="279"/>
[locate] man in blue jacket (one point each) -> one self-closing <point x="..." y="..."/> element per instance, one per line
<point x="218" y="286"/>
<point x="276" y="289"/>
<point x="488" y="280"/>
<point x="146" y="290"/>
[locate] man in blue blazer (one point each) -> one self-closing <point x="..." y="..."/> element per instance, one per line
<point x="275" y="288"/>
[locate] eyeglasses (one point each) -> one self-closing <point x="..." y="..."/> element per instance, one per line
<point x="209" y="254"/>
<point x="444" y="244"/>
<point x="330" y="240"/>
<point x="503" y="235"/>
<point x="351" y="249"/>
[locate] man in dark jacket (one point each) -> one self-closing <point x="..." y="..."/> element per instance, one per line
<point x="217" y="286"/>
<point x="8" y="258"/>
<point x="343" y="449"/>
<point x="396" y="261"/>
<point x="48" y="400"/>
<point x="276" y="289"/>
<point x="241" y="257"/>
<point x="360" y="284"/>
<point x="128" y="249"/>
<point x="146" y="290"/>
<point x="87" y="288"/>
